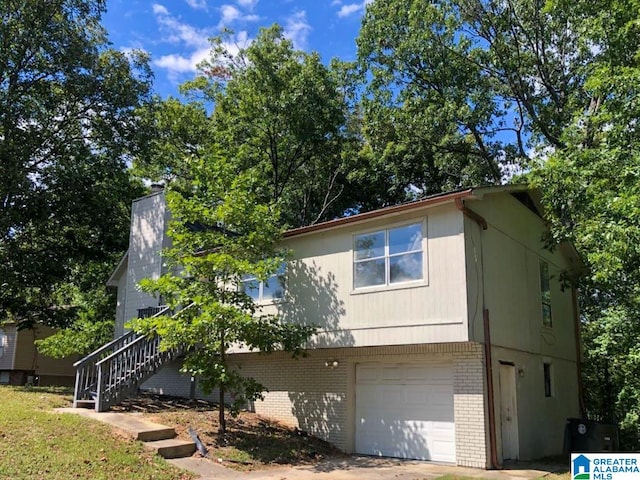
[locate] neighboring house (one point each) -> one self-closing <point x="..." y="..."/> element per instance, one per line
<point x="21" y="363"/>
<point x="446" y="332"/>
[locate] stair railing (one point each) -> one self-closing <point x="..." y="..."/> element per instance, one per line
<point x="87" y="375"/>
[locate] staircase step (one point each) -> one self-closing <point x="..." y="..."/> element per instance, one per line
<point x="172" y="448"/>
<point x="86" y="404"/>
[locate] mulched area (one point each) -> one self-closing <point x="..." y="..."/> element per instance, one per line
<point x="251" y="442"/>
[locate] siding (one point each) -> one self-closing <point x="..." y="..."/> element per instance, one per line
<point x="148" y="223"/>
<point x="320" y="287"/>
<point x="6" y="360"/>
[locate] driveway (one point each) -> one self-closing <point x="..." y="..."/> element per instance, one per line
<point x="361" y="468"/>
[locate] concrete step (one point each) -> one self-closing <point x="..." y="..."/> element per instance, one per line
<point x="135" y="426"/>
<point x="172" y="448"/>
<point x="86" y="404"/>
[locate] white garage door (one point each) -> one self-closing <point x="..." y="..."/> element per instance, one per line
<point x="405" y="411"/>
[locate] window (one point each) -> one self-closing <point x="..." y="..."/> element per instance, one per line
<point x="545" y="294"/>
<point x="3" y="342"/>
<point x="547" y="380"/>
<point x="388" y="257"/>
<point x="269" y="290"/>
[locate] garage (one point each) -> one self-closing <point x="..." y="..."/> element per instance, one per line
<point x="405" y="410"/>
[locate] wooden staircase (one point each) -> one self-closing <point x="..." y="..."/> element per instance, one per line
<point x="115" y="370"/>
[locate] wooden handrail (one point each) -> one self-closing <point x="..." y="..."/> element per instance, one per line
<point x="103" y="348"/>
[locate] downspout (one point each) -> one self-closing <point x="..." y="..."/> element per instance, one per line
<point x="495" y="464"/>
<point x="576" y="324"/>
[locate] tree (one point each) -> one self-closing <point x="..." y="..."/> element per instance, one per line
<point x="280" y="112"/>
<point x="462" y="91"/>
<point x="67" y="129"/>
<point x="221" y="232"/>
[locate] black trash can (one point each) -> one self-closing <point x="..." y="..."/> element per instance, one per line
<point x="582" y="435"/>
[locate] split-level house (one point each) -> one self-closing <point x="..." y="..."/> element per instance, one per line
<point x="446" y="332"/>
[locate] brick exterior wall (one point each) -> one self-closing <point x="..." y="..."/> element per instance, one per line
<point x="307" y="394"/>
<point x="469" y="407"/>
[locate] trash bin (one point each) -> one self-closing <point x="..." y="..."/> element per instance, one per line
<point x="582" y="435"/>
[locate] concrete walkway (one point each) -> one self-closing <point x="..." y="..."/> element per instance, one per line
<point x="345" y="468"/>
<point x="358" y="468"/>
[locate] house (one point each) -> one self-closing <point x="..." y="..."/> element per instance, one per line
<point x="446" y="332"/>
<point x="21" y="363"/>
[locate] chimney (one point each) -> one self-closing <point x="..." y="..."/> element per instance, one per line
<point x="157" y="187"/>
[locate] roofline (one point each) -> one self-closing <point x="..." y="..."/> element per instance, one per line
<point x="361" y="217"/>
<point x="112" y="282"/>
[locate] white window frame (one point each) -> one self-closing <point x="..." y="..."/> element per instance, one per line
<point x="3" y="341"/>
<point x="387" y="285"/>
<point x="261" y="299"/>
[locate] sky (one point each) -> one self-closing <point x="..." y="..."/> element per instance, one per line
<point x="175" y="32"/>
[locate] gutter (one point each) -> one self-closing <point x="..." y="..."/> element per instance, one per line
<point x="480" y="220"/>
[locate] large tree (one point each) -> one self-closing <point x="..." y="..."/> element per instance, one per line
<point x="274" y="109"/>
<point x="67" y="129"/>
<point x="221" y="233"/>
<point x="462" y="92"/>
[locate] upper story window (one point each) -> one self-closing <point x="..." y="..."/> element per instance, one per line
<point x="264" y="291"/>
<point x="388" y="257"/>
<point x="545" y="294"/>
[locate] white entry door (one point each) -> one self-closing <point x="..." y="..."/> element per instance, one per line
<point x="405" y="411"/>
<point x="508" y="412"/>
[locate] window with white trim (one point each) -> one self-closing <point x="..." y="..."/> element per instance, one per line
<point x="269" y="290"/>
<point x="388" y="257"/>
<point x="3" y="342"/>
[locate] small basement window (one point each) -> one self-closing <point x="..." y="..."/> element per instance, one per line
<point x="548" y="387"/>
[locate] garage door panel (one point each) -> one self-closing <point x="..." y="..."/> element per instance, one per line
<point x="405" y="411"/>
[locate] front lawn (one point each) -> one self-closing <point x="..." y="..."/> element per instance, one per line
<point x="38" y="444"/>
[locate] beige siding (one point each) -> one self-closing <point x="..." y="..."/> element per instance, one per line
<point x="320" y="287"/>
<point x="8" y="352"/>
<point x="503" y="267"/>
<point x="148" y="223"/>
<point x="28" y="358"/>
<point x="506" y="256"/>
<point x="541" y="420"/>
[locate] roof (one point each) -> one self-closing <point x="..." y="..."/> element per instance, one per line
<point x="474" y="193"/>
<point x="119" y="270"/>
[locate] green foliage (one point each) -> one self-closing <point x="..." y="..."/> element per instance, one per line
<point x="220" y="233"/>
<point x="67" y="128"/>
<point x="461" y="91"/>
<point x="276" y="111"/>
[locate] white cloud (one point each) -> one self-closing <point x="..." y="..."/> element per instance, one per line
<point x="193" y="42"/>
<point x="160" y="9"/>
<point x="197" y="4"/>
<point x="247" y="3"/>
<point x="230" y="14"/>
<point x="351" y="8"/>
<point x="297" y="29"/>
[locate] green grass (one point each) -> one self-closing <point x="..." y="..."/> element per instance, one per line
<point x="38" y="444"/>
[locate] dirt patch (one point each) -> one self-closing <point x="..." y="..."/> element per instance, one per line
<point x="252" y="441"/>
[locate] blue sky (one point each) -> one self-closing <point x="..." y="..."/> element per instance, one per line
<point x="175" y="32"/>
